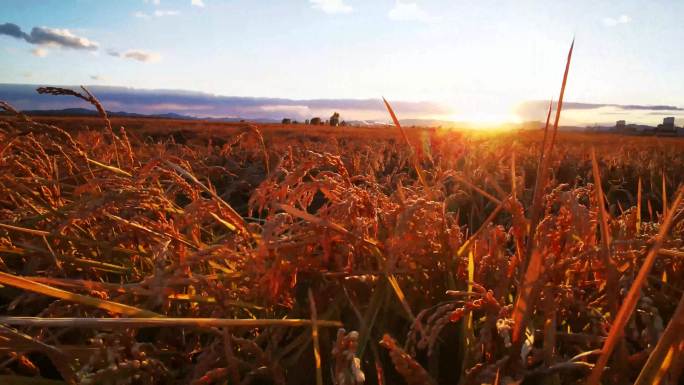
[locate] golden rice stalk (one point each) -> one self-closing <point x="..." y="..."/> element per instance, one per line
<point x="611" y="272"/>
<point x="630" y="301"/>
<point x="662" y="356"/>
<point x="113" y="307"/>
<point x="414" y="157"/>
<point x="314" y="338"/>
<point x="161" y="322"/>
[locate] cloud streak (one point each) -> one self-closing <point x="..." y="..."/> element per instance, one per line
<point x="156" y="13"/>
<point x="331" y="6"/>
<point x="536" y="104"/>
<point x="136" y="54"/>
<point x="39" y="52"/>
<point x="49" y="36"/>
<point x="612" y="22"/>
<point x="208" y="105"/>
<point x="409" y="12"/>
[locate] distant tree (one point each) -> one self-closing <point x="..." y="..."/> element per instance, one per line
<point x="315" y="121"/>
<point x="306" y="122"/>
<point x="343" y="123"/>
<point x="335" y="119"/>
<point x="295" y="122"/>
<point x="287" y="121"/>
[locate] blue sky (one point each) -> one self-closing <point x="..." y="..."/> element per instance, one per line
<point x="479" y="59"/>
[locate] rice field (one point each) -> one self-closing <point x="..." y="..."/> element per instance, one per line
<point x="144" y="251"/>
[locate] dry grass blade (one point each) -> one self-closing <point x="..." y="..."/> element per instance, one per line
<point x="314" y="338"/>
<point x="538" y="185"/>
<point x="114" y="307"/>
<point x="661" y="358"/>
<point x="414" y="157"/>
<point x="559" y="107"/>
<point x="524" y="302"/>
<point x="238" y="221"/>
<point x="664" y="187"/>
<point x="638" y="208"/>
<point x="113" y="169"/>
<point x="533" y="264"/>
<point x="39" y="233"/>
<point x="320" y="222"/>
<point x="600" y="202"/>
<point x="21" y="380"/>
<point x="57" y="356"/>
<point x="611" y="271"/>
<point x="547" y="153"/>
<point x="466" y="245"/>
<point x="630" y="301"/>
<point x="97" y="323"/>
<point x="479" y="190"/>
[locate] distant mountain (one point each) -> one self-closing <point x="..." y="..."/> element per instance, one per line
<point x="88" y="112"/>
<point x="208" y="106"/>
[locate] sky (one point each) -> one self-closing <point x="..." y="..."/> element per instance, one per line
<point x="482" y="61"/>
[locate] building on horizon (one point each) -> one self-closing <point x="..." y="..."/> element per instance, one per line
<point x="668" y="127"/>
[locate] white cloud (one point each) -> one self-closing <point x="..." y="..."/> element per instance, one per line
<point x="331" y="6"/>
<point x="97" y="78"/>
<point x="48" y="36"/>
<point x="155" y="2"/>
<point x="612" y="22"/>
<point x="160" y="13"/>
<point x="409" y="12"/>
<point x="157" y="13"/>
<point x="136" y="54"/>
<point x="197" y="3"/>
<point x="40" y="52"/>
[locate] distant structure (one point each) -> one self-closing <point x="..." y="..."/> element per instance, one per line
<point x="668" y="127"/>
<point x="622" y="127"/>
<point x="287" y="121"/>
<point x="306" y="121"/>
<point x="335" y="119"/>
<point x="315" y="121"/>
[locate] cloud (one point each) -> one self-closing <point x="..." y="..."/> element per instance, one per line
<point x="197" y="3"/>
<point x="331" y="6"/>
<point x="536" y="104"/>
<point x="209" y="105"/>
<point x="587" y="112"/>
<point x="157" y="13"/>
<point x="409" y="12"/>
<point x="13" y="30"/>
<point x="160" y="13"/>
<point x="612" y="22"/>
<point x="49" y="36"/>
<point x="97" y="78"/>
<point x="155" y="2"/>
<point x="40" y="52"/>
<point x="136" y="54"/>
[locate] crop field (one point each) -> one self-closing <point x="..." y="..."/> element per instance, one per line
<point x="149" y="251"/>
